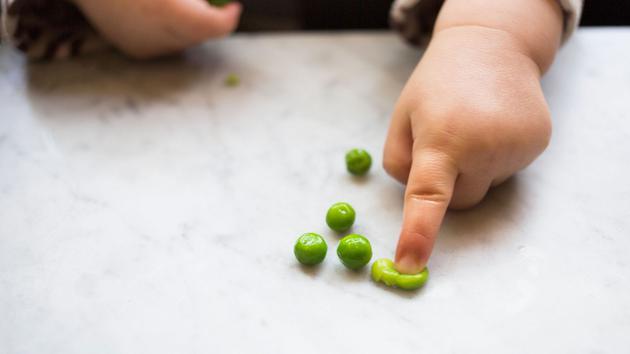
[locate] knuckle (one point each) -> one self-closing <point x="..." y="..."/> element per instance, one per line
<point x="441" y="128"/>
<point x="433" y="194"/>
<point x="418" y="236"/>
<point x="396" y="168"/>
<point x="389" y="165"/>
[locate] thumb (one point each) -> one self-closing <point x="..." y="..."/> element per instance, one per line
<point x="428" y="194"/>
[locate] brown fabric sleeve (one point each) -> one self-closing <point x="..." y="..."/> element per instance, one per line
<point x="414" y="19"/>
<point x="47" y="29"/>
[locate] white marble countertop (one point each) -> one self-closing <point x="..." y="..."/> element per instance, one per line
<point x="147" y="208"/>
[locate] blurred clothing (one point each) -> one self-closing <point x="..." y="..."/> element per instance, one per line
<point x="45" y="29"/>
<point x="414" y="19"/>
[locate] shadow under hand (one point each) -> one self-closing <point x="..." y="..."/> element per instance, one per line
<point x="77" y="88"/>
<point x="494" y="220"/>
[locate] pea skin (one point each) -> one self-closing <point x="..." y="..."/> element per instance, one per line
<point x="358" y="162"/>
<point x="340" y="217"/>
<point x="354" y="251"/>
<point x="310" y="249"/>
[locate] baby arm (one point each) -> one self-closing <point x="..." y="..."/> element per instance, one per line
<point x="140" y="28"/>
<point x="472" y="114"/>
<point x="147" y="28"/>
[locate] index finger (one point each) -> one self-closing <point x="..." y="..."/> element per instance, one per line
<point x="428" y="194"/>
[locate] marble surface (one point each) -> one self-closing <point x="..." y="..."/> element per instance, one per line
<point x="147" y="208"/>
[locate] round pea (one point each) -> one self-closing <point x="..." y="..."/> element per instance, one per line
<point x="354" y="251"/>
<point x="383" y="271"/>
<point x="340" y="216"/>
<point x="358" y="161"/>
<point x="310" y="249"/>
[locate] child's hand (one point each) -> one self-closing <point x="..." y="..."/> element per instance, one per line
<point x="147" y="28"/>
<point x="471" y="115"/>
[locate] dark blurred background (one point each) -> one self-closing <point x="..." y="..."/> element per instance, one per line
<point x="366" y="14"/>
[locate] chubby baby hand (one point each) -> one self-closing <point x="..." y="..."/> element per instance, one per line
<point x="149" y="28"/>
<point x="471" y="115"/>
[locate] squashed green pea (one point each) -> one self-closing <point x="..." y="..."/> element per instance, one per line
<point x="383" y="271"/>
<point x="219" y="3"/>
<point x="358" y="161"/>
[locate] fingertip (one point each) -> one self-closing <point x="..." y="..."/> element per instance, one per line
<point x="229" y="16"/>
<point x="413" y="252"/>
<point x="234" y="8"/>
<point x="429" y="191"/>
<point x="409" y="265"/>
<point x="210" y="21"/>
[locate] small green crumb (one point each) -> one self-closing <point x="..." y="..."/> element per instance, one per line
<point x="219" y="3"/>
<point x="232" y="80"/>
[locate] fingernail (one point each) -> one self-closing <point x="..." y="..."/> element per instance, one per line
<point x="408" y="265"/>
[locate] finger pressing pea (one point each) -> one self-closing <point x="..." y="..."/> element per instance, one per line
<point x="383" y="271"/>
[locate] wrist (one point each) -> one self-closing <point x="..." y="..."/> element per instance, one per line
<point x="485" y="47"/>
<point x="534" y="26"/>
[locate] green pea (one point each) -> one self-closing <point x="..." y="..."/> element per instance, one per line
<point x="340" y="216"/>
<point x="383" y="271"/>
<point x="232" y="80"/>
<point x="310" y="249"/>
<point x="354" y="251"/>
<point x="219" y="3"/>
<point x="358" y="161"/>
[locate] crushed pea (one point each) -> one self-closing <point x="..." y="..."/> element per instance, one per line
<point x="383" y="271"/>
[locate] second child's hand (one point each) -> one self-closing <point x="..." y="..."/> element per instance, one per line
<point x="149" y="28"/>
